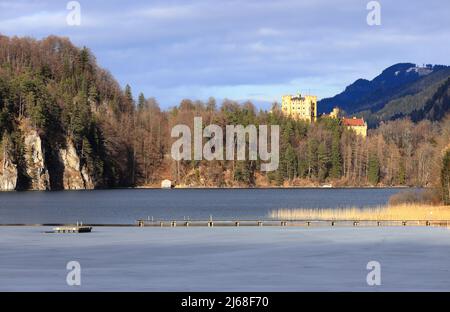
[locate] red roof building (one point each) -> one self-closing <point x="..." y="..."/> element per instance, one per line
<point x="356" y="124"/>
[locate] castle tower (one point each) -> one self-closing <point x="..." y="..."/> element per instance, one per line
<point x="300" y="107"/>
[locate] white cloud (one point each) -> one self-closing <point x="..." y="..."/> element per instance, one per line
<point x="168" y="12"/>
<point x="246" y="49"/>
<point x="48" y="20"/>
<point x="267" y="31"/>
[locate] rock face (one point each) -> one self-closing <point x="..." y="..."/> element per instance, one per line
<point x="75" y="176"/>
<point x="61" y="169"/>
<point x="35" y="158"/>
<point x="8" y="176"/>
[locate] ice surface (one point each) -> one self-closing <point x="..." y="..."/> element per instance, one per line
<point x="226" y="259"/>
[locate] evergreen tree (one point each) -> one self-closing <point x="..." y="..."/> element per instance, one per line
<point x="322" y="161"/>
<point x="373" y="174"/>
<point x="336" y="158"/>
<point x="79" y="118"/>
<point x="290" y="163"/>
<point x="84" y="59"/>
<point x="302" y="169"/>
<point x="211" y="105"/>
<point x="93" y="94"/>
<point x="311" y="157"/>
<point x="244" y="172"/>
<point x="279" y="178"/>
<point x="445" y="178"/>
<point x="141" y="101"/>
<point x="129" y="101"/>
<point x="401" y="173"/>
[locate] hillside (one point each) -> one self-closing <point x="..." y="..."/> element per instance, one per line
<point x="408" y="105"/>
<point x="65" y="123"/>
<point x="397" y="91"/>
<point x="436" y="107"/>
<point x="59" y="113"/>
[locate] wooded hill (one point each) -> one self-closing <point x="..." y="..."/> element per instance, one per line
<point x="65" y="123"/>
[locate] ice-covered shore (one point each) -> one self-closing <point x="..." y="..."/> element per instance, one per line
<point x="226" y="259"/>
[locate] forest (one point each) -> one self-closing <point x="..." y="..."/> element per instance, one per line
<point x="57" y="90"/>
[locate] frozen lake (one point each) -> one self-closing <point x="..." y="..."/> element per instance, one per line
<point x="127" y="205"/>
<point x="226" y="259"/>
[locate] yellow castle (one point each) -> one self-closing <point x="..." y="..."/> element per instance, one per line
<point x="358" y="125"/>
<point x="300" y="107"/>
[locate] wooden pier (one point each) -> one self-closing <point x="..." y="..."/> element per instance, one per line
<point x="80" y="228"/>
<point x="290" y="223"/>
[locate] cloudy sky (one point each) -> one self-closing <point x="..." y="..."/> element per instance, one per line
<point x="246" y="49"/>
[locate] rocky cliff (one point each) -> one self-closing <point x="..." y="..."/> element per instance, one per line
<point x="8" y="175"/>
<point x="36" y="169"/>
<point x="33" y="173"/>
<point x="75" y="175"/>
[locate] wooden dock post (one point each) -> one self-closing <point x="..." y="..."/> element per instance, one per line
<point x="355" y="223"/>
<point x="236" y="223"/>
<point x="283" y="223"/>
<point x="174" y="223"/>
<point x="141" y="223"/>
<point x="260" y="223"/>
<point x="308" y="223"/>
<point x="210" y="222"/>
<point x="187" y="223"/>
<point x="378" y="223"/>
<point x="404" y="223"/>
<point x="332" y="223"/>
<point x="427" y="223"/>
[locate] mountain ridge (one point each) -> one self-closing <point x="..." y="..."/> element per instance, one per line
<point x="369" y="97"/>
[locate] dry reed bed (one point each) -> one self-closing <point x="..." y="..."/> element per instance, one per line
<point x="403" y="212"/>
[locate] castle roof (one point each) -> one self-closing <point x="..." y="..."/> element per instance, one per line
<point x="353" y="122"/>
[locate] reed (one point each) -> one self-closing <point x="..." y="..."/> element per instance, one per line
<point x="403" y="212"/>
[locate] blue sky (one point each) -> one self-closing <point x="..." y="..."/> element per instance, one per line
<point x="242" y="50"/>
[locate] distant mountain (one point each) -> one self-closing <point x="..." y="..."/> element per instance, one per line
<point x="398" y="91"/>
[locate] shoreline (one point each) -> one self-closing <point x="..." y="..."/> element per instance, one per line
<point x="225" y="188"/>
